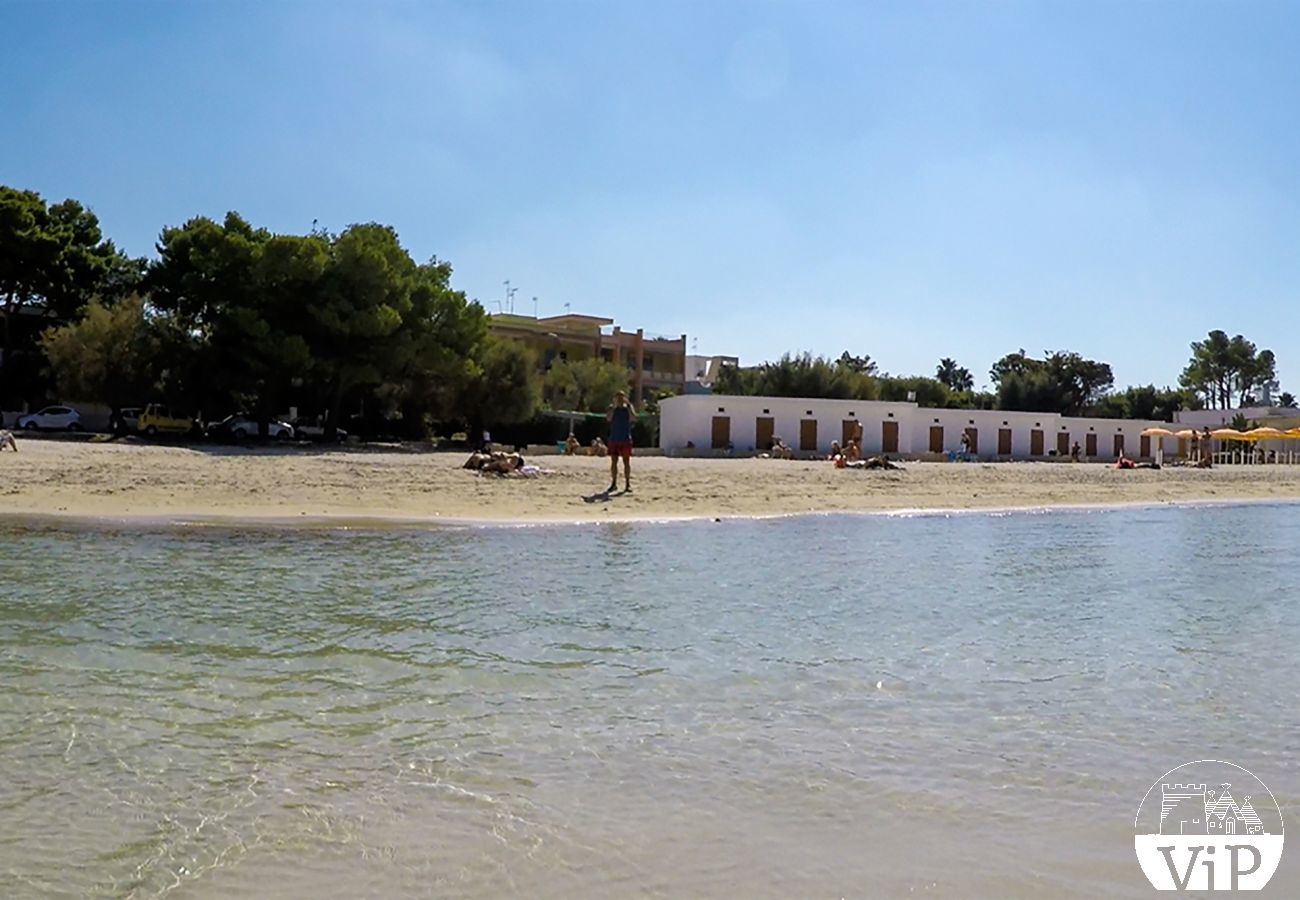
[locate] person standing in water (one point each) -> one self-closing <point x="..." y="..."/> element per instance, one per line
<point x="620" y="441"/>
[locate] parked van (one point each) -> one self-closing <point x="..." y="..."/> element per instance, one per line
<point x="160" y="419"/>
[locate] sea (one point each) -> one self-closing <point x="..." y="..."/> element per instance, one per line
<point x="937" y="705"/>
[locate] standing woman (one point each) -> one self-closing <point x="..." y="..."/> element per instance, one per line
<point x="620" y="441"/>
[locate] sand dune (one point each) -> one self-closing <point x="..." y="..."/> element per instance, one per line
<point x="139" y="480"/>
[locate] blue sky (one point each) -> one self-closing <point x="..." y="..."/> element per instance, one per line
<point x="907" y="180"/>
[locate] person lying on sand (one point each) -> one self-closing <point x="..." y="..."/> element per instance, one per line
<point x="875" y="462"/>
<point x="477" y="460"/>
<point x="7" y="440"/>
<point x="1123" y="462"/>
<point x="512" y="464"/>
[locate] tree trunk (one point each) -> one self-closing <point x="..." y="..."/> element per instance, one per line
<point x="335" y="410"/>
<point x="9" y="308"/>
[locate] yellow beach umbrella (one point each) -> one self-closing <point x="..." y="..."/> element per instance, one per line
<point x="1185" y="434"/>
<point x="1228" y="434"/>
<point x="1293" y="433"/>
<point x="1263" y="434"/>
<point x="1165" y="432"/>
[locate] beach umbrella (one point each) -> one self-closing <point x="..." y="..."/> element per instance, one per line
<point x="1185" y="434"/>
<point x="1228" y="434"/>
<point x="1263" y="434"/>
<point x="1164" y="432"/>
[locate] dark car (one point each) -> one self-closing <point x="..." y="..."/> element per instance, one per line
<point x="241" y="427"/>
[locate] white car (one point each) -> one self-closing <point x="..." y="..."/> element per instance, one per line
<point x="51" y="418"/>
<point x="306" y="431"/>
<point x="239" y="427"/>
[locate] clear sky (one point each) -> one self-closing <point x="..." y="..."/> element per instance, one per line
<point x="909" y="180"/>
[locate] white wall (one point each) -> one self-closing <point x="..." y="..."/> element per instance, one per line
<point x="689" y="418"/>
<point x="1277" y="416"/>
<point x="987" y="423"/>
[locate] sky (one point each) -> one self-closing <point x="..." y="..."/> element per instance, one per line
<point x="906" y="180"/>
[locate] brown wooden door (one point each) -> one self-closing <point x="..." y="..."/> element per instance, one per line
<point x="1063" y="444"/>
<point x="1036" y="442"/>
<point x="808" y="434"/>
<point x="974" y="435"/>
<point x="888" y="437"/>
<point x="1090" y="445"/>
<point x="936" y="438"/>
<point x="721" y="432"/>
<point x="764" y="429"/>
<point x="848" y="428"/>
<point x="1119" y="445"/>
<point x="1144" y="447"/>
<point x="1004" y="442"/>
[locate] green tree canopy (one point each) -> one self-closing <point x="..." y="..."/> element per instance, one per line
<point x="503" y="389"/>
<point x="957" y="378"/>
<point x="327" y="314"/>
<point x="108" y="354"/>
<point x="586" y="385"/>
<point x="861" y="365"/>
<point x="799" y="376"/>
<point x="1226" y="371"/>
<point x="53" y="260"/>
<point x="1144" y="402"/>
<point x="1063" y="382"/>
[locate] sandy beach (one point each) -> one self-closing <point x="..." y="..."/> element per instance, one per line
<point x="136" y="480"/>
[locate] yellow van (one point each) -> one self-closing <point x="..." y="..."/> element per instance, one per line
<point x="160" y="419"/>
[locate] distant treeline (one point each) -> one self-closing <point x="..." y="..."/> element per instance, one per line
<point x="1222" y="372"/>
<point x="349" y="327"/>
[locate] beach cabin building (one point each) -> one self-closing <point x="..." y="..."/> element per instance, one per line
<point x="749" y="425"/>
<point x="742" y="425"/>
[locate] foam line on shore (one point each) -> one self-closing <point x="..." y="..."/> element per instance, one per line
<point x="345" y="522"/>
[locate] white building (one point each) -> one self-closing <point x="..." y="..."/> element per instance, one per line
<point x="1280" y="417"/>
<point x="696" y="423"/>
<point x="702" y="371"/>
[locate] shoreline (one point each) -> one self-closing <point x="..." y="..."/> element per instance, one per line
<point x="126" y="485"/>
<point x="344" y="523"/>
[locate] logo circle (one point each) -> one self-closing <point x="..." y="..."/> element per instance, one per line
<point x="1208" y="825"/>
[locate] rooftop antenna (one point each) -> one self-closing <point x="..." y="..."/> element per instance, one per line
<point x="534" y="307"/>
<point x="510" y="296"/>
<point x="566" y="308"/>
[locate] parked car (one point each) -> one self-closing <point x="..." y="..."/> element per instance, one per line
<point x="158" y="418"/>
<point x="125" y="421"/>
<point x="242" y="426"/>
<point x="51" y="418"/>
<point x="308" y="431"/>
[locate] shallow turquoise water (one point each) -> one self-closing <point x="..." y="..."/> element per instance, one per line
<point x="838" y="706"/>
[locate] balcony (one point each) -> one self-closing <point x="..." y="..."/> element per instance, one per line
<point x="649" y="376"/>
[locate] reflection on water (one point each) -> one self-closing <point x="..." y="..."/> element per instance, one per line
<point x="968" y="706"/>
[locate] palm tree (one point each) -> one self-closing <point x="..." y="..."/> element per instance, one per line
<point x="957" y="378"/>
<point x="862" y="365"/>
